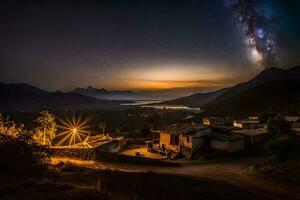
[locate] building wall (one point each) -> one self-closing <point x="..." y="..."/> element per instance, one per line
<point x="228" y="146"/>
<point x="185" y="151"/>
<point x="164" y="140"/>
<point x="237" y="124"/>
<point x="198" y="143"/>
<point x="236" y="145"/>
<point x="258" y="139"/>
<point x="186" y="141"/>
<point x="250" y="126"/>
<point x="246" y="124"/>
<point x="218" y="145"/>
<point x="206" y="121"/>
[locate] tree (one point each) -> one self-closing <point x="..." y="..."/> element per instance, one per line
<point x="45" y="132"/>
<point x="19" y="154"/>
<point x="10" y="128"/>
<point x="264" y="117"/>
<point x="282" y="142"/>
<point x="278" y="126"/>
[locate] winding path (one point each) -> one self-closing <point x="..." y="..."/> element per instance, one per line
<point x="233" y="172"/>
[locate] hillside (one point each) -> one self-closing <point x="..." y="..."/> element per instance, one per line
<point x="196" y="100"/>
<point x="276" y="96"/>
<point x="270" y="74"/>
<point x="219" y="96"/>
<point x="16" y="97"/>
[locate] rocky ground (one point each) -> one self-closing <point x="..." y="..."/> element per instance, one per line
<point x="77" y="179"/>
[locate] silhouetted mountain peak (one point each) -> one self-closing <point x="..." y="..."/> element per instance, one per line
<point x="91" y="91"/>
<point x="17" y="97"/>
<point x="20" y="88"/>
<point x="268" y="75"/>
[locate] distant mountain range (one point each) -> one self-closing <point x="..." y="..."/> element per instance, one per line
<point x="17" y="97"/>
<point x="109" y="95"/>
<point x="148" y="95"/>
<point x="272" y="90"/>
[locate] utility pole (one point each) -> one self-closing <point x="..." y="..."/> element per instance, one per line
<point x="102" y="127"/>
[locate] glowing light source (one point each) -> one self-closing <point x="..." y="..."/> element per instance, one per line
<point x="73" y="131"/>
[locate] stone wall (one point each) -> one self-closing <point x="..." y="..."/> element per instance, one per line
<point x="76" y="153"/>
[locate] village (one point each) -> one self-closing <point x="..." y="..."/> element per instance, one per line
<point x="217" y="150"/>
<point x="214" y="137"/>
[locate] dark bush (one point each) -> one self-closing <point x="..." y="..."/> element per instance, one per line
<point x="283" y="144"/>
<point x="284" y="148"/>
<point x="21" y="157"/>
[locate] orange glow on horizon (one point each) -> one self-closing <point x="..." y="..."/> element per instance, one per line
<point x="170" y="77"/>
<point x="170" y="84"/>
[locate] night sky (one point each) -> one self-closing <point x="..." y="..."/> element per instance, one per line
<point x="141" y="45"/>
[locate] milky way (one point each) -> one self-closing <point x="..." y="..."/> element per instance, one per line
<point x="256" y="20"/>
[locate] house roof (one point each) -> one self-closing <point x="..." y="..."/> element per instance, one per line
<point x="296" y="130"/>
<point x="251" y="132"/>
<point x="224" y="136"/>
<point x="214" y="118"/>
<point x="247" y="121"/>
<point x="292" y="119"/>
<point x="189" y="117"/>
<point x="183" y="128"/>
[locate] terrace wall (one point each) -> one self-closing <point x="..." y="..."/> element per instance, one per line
<point x="76" y="153"/>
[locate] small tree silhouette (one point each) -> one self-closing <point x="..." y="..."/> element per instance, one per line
<point x="46" y="129"/>
<point x="283" y="143"/>
<point x="10" y="128"/>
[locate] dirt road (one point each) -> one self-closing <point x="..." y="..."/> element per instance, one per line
<point x="233" y="172"/>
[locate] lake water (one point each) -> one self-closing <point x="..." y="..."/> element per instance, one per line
<point x="141" y="102"/>
<point x="145" y="104"/>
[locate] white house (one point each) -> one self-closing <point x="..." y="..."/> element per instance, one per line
<point x="213" y="121"/>
<point x="246" y="123"/>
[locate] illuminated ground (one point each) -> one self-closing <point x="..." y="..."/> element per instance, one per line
<point x="235" y="173"/>
<point x="131" y="150"/>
